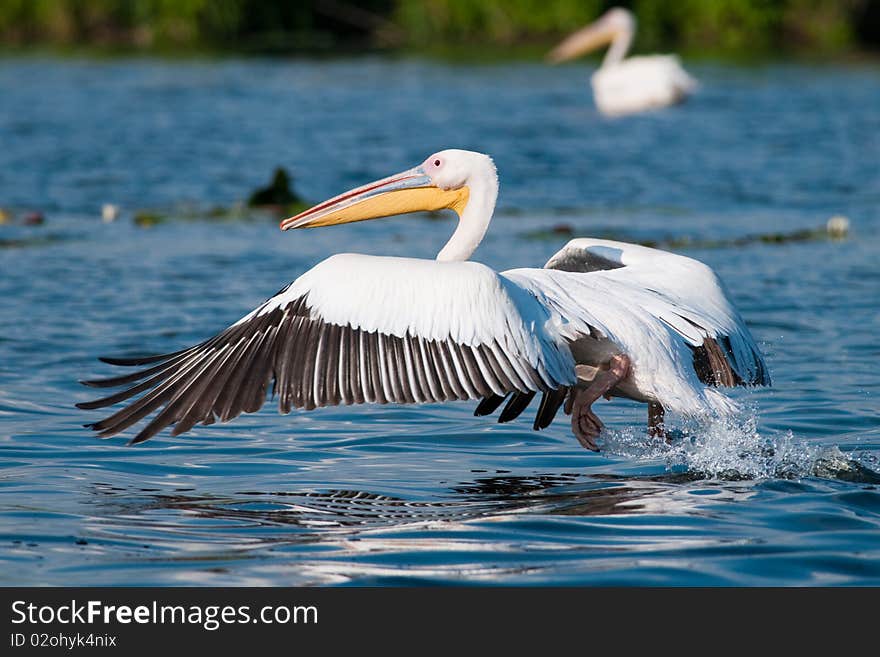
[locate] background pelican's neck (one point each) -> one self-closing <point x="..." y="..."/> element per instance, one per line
<point x="619" y="46"/>
<point x="474" y="219"/>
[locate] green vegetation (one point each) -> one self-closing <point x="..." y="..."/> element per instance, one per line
<point x="147" y="218"/>
<point x="233" y="25"/>
<point x="715" y="26"/>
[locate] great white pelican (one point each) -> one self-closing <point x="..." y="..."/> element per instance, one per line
<point x="602" y="318"/>
<point x="620" y="85"/>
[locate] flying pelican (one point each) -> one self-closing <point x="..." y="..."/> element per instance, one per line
<point x="602" y="318"/>
<point x="624" y="86"/>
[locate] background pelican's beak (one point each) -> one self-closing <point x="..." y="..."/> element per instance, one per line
<point x="583" y="41"/>
<point x="409" y="191"/>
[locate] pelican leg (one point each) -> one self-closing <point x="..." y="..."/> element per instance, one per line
<point x="655" y="421"/>
<point x="584" y="423"/>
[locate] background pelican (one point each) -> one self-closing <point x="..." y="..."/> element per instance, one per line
<point x="623" y="86"/>
<point x="603" y="318"/>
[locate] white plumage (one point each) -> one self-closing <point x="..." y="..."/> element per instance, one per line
<point x="602" y="317"/>
<point x="465" y="303"/>
<point x="638" y="84"/>
<point x="657" y="307"/>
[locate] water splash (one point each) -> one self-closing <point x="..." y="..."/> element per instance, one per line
<point x="733" y="448"/>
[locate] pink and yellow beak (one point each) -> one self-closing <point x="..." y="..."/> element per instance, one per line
<point x="409" y="191"/>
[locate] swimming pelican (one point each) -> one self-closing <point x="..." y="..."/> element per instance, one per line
<point x="602" y="318"/>
<point x="624" y="86"/>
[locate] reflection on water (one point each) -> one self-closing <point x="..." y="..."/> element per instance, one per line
<point x="551" y="494"/>
<point x="492" y="522"/>
<point x="569" y="494"/>
<point x="351" y="511"/>
<point x="788" y="494"/>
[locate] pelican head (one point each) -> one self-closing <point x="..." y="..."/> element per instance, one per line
<point x="441" y="182"/>
<point x="463" y="181"/>
<point x="616" y="25"/>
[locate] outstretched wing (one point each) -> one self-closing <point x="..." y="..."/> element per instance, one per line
<point x="354" y="329"/>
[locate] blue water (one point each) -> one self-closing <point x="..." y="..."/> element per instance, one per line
<point x="785" y="495"/>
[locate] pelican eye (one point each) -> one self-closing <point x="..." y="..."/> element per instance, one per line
<point x="436" y="163"/>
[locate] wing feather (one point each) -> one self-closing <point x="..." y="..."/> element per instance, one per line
<point x="383" y="348"/>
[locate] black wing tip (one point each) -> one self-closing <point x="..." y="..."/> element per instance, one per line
<point x="94" y="404"/>
<point x="96" y="427"/>
<point x="517" y="404"/>
<point x="99" y="431"/>
<point x="87" y="406"/>
<point x="551" y="400"/>
<point x="130" y="362"/>
<point x="488" y="405"/>
<point x="142" y="360"/>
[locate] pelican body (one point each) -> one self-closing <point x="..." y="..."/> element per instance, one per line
<point x="626" y="85"/>
<point x="602" y="318"/>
